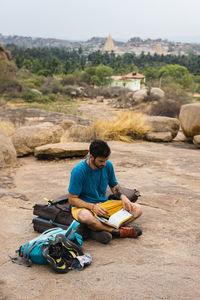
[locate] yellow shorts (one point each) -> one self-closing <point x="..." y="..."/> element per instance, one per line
<point x="111" y="205"/>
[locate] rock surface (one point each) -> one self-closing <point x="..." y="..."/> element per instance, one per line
<point x="27" y="138"/>
<point x="196" y="140"/>
<point x="62" y="150"/>
<point x="161" y="264"/>
<point x="34" y="116"/>
<point x="8" y="155"/>
<point x="190" y="119"/>
<point x="162" y="128"/>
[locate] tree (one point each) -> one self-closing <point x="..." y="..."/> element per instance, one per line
<point x="103" y="73"/>
<point x="94" y="80"/>
<point x="178" y="73"/>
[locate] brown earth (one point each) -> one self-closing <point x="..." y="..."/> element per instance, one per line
<point x="162" y="264"/>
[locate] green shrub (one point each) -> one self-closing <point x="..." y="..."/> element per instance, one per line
<point x="52" y="97"/>
<point x="69" y="80"/>
<point x="51" y="86"/>
<point x="94" y="80"/>
<point x="197" y="90"/>
<point x="11" y="89"/>
<point x="34" y="81"/>
<point x="167" y="108"/>
<point x="68" y="89"/>
<point x="31" y="96"/>
<point x="7" y="71"/>
<point x="176" y="92"/>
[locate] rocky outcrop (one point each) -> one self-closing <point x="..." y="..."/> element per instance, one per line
<point x="62" y="150"/>
<point x="27" y="138"/>
<point x="162" y="129"/>
<point x="4" y="54"/>
<point x="190" y="119"/>
<point x="34" y="116"/>
<point x="8" y="155"/>
<point x="196" y="140"/>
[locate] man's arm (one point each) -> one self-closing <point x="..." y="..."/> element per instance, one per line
<point x="76" y="201"/>
<point x="97" y="209"/>
<point x="125" y="201"/>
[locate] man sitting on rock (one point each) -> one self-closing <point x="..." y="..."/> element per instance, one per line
<point x="87" y="195"/>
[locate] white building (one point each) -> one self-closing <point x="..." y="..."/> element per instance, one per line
<point x="130" y="81"/>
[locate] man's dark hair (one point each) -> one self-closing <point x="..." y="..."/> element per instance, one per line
<point x="99" y="148"/>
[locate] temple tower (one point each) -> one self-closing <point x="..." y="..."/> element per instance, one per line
<point x="109" y="45"/>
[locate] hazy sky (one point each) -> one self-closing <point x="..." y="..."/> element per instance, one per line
<point x="83" y="19"/>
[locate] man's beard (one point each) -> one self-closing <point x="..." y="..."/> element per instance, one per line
<point x="98" y="167"/>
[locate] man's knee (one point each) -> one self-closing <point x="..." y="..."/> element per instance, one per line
<point x="85" y="216"/>
<point x="138" y="211"/>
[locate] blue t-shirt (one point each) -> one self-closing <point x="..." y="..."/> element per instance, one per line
<point x="90" y="185"/>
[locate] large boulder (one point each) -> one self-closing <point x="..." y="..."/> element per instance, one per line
<point x="140" y="95"/>
<point x="8" y="155"/>
<point x="190" y="119"/>
<point x="162" y="129"/>
<point x="196" y="140"/>
<point x="157" y="94"/>
<point x="27" y="138"/>
<point x="62" y="150"/>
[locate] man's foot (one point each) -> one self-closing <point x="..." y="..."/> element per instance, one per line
<point x="103" y="237"/>
<point x="131" y="232"/>
<point x="83" y="230"/>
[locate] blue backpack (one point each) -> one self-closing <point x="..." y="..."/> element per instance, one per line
<point x="40" y="249"/>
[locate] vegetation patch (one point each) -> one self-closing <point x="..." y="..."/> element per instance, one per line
<point x="127" y="127"/>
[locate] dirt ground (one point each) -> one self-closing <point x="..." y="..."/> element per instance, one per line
<point x="161" y="264"/>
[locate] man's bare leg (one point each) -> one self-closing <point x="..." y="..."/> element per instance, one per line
<point x="86" y="217"/>
<point x="99" y="231"/>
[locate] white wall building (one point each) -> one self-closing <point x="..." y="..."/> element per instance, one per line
<point x="131" y="81"/>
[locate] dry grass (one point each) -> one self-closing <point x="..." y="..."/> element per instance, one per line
<point x="7" y="128"/>
<point x="127" y="127"/>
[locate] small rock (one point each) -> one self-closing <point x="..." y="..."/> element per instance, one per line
<point x="100" y="99"/>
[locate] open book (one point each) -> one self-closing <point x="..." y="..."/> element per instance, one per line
<point x="118" y="219"/>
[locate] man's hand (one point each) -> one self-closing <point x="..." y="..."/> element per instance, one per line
<point x="99" y="210"/>
<point x="128" y="205"/>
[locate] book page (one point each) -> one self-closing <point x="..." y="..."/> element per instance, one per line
<point x="120" y="217"/>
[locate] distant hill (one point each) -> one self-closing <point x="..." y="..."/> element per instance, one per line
<point x="135" y="44"/>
